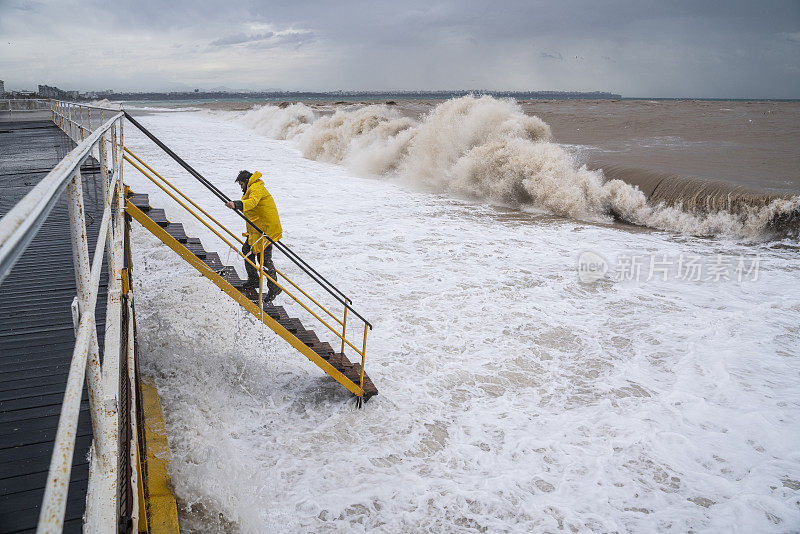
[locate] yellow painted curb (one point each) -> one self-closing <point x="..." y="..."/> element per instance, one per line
<point x="162" y="509"/>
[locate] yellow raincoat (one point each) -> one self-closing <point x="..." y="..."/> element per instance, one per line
<point x="259" y="207"/>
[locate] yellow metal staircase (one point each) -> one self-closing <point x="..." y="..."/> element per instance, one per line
<point x="336" y="364"/>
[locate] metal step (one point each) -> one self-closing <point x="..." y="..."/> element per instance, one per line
<point x="158" y="216"/>
<point x="140" y="201"/>
<point x="176" y="231"/>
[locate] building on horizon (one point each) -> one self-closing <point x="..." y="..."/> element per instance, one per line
<point x="47" y="91"/>
<point x="2" y="87"/>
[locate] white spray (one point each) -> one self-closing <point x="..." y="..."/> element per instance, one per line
<point x="487" y="148"/>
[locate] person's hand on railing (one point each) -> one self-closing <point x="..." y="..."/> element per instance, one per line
<point x="235" y="205"/>
<point x="230" y="204"/>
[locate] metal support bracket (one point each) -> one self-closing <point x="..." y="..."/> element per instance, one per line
<point x="76" y="314"/>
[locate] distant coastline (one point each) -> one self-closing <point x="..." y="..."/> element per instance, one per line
<point x="362" y="95"/>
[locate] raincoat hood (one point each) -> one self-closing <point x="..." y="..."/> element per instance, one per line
<point x="259" y="207"/>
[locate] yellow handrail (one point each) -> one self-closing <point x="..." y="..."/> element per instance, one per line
<point x="362" y="353"/>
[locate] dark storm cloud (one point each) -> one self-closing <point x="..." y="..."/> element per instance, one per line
<point x="639" y="48"/>
<point x="497" y="20"/>
<point x="521" y="19"/>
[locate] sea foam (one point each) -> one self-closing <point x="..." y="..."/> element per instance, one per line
<point x="512" y="396"/>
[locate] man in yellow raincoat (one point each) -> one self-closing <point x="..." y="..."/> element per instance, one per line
<point x="259" y="207"/>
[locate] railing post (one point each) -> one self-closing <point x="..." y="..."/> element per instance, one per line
<point x="118" y="195"/>
<point x="80" y="245"/>
<point x="102" y="516"/>
<point x="114" y="147"/>
<point x="102" y="154"/>
<point x="108" y="198"/>
<point x="261" y="283"/>
<point x="363" y="357"/>
<point x="80" y="255"/>
<point x="120" y="185"/>
<point x="344" y="328"/>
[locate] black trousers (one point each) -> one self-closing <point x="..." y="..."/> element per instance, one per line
<point x="269" y="267"/>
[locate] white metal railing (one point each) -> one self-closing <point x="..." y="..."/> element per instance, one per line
<point x="17" y="229"/>
<point x="17" y="105"/>
<point x="76" y="120"/>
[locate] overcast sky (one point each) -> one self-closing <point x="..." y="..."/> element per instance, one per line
<point x="637" y="48"/>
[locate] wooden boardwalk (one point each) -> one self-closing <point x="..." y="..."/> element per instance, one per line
<point x="36" y="332"/>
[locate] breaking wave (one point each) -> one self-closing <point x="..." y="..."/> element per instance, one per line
<point x="105" y="103"/>
<point x="489" y="148"/>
